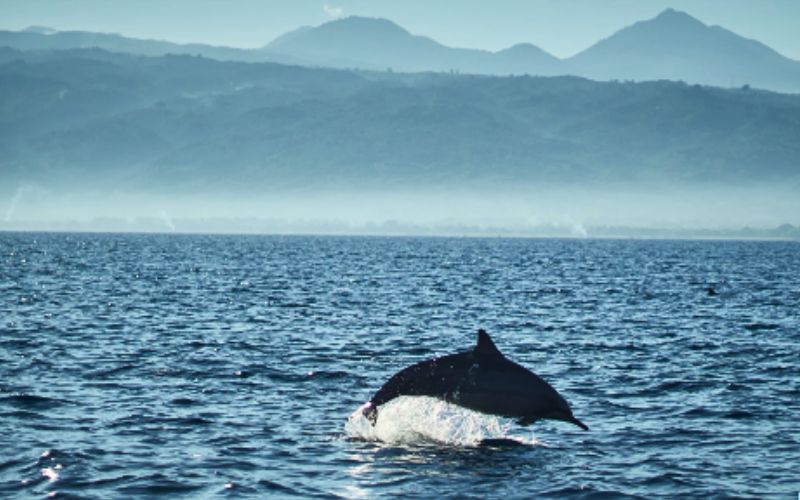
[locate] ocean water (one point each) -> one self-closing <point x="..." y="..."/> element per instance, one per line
<point x="208" y="366"/>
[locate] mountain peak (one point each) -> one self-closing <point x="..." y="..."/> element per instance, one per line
<point x="365" y="26"/>
<point x="529" y="51"/>
<point x="522" y="47"/>
<point x="676" y="18"/>
<point x="676" y="46"/>
<point x="669" y="28"/>
<point x="340" y="35"/>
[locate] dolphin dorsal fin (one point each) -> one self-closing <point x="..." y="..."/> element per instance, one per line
<point x="485" y="349"/>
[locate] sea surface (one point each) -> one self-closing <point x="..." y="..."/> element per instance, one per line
<point x="212" y="366"/>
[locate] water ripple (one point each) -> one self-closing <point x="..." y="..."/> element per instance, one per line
<point x="202" y="366"/>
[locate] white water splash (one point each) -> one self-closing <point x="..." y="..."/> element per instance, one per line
<point x="12" y="205"/>
<point x="424" y="420"/>
<point x="50" y="473"/>
<point x="167" y="220"/>
<point x="30" y="193"/>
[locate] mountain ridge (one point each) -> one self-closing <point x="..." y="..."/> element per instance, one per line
<point x="711" y="55"/>
<point x="673" y="46"/>
<point x="123" y="134"/>
<point x="152" y="118"/>
<point x="376" y="43"/>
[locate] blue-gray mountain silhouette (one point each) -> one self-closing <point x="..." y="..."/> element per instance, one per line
<point x="86" y="118"/>
<point x="371" y="43"/>
<point x="671" y="46"/>
<point x="676" y="46"/>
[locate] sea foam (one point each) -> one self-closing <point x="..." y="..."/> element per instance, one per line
<point x="425" y="420"/>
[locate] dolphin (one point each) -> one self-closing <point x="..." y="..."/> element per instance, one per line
<point x="481" y="379"/>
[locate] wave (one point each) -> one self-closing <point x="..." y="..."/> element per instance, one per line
<point x="756" y="326"/>
<point x="32" y="401"/>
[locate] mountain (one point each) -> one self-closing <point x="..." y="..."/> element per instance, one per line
<point x="676" y="46"/>
<point x="43" y="38"/>
<point x="672" y="46"/>
<point x="88" y="118"/>
<point x="354" y="42"/>
<point x="370" y="43"/>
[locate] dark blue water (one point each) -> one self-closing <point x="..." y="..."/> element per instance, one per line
<point x="204" y="366"/>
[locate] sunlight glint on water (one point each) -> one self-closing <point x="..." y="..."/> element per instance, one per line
<point x="194" y="365"/>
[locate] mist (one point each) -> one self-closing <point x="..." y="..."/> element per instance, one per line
<point x="555" y="211"/>
<point x="138" y="135"/>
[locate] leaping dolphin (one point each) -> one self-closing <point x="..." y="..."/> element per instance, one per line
<point x="481" y="379"/>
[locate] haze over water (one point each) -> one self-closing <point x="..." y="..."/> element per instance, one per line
<point x="132" y="365"/>
<point x="668" y="123"/>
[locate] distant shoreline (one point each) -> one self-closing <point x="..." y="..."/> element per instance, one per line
<point x="785" y="232"/>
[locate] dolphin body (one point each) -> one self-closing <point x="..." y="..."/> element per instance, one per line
<point x="481" y="379"/>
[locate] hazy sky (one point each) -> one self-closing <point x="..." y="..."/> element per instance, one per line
<point x="562" y="27"/>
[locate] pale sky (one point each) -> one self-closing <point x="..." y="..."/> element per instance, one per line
<point x="561" y="27"/>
